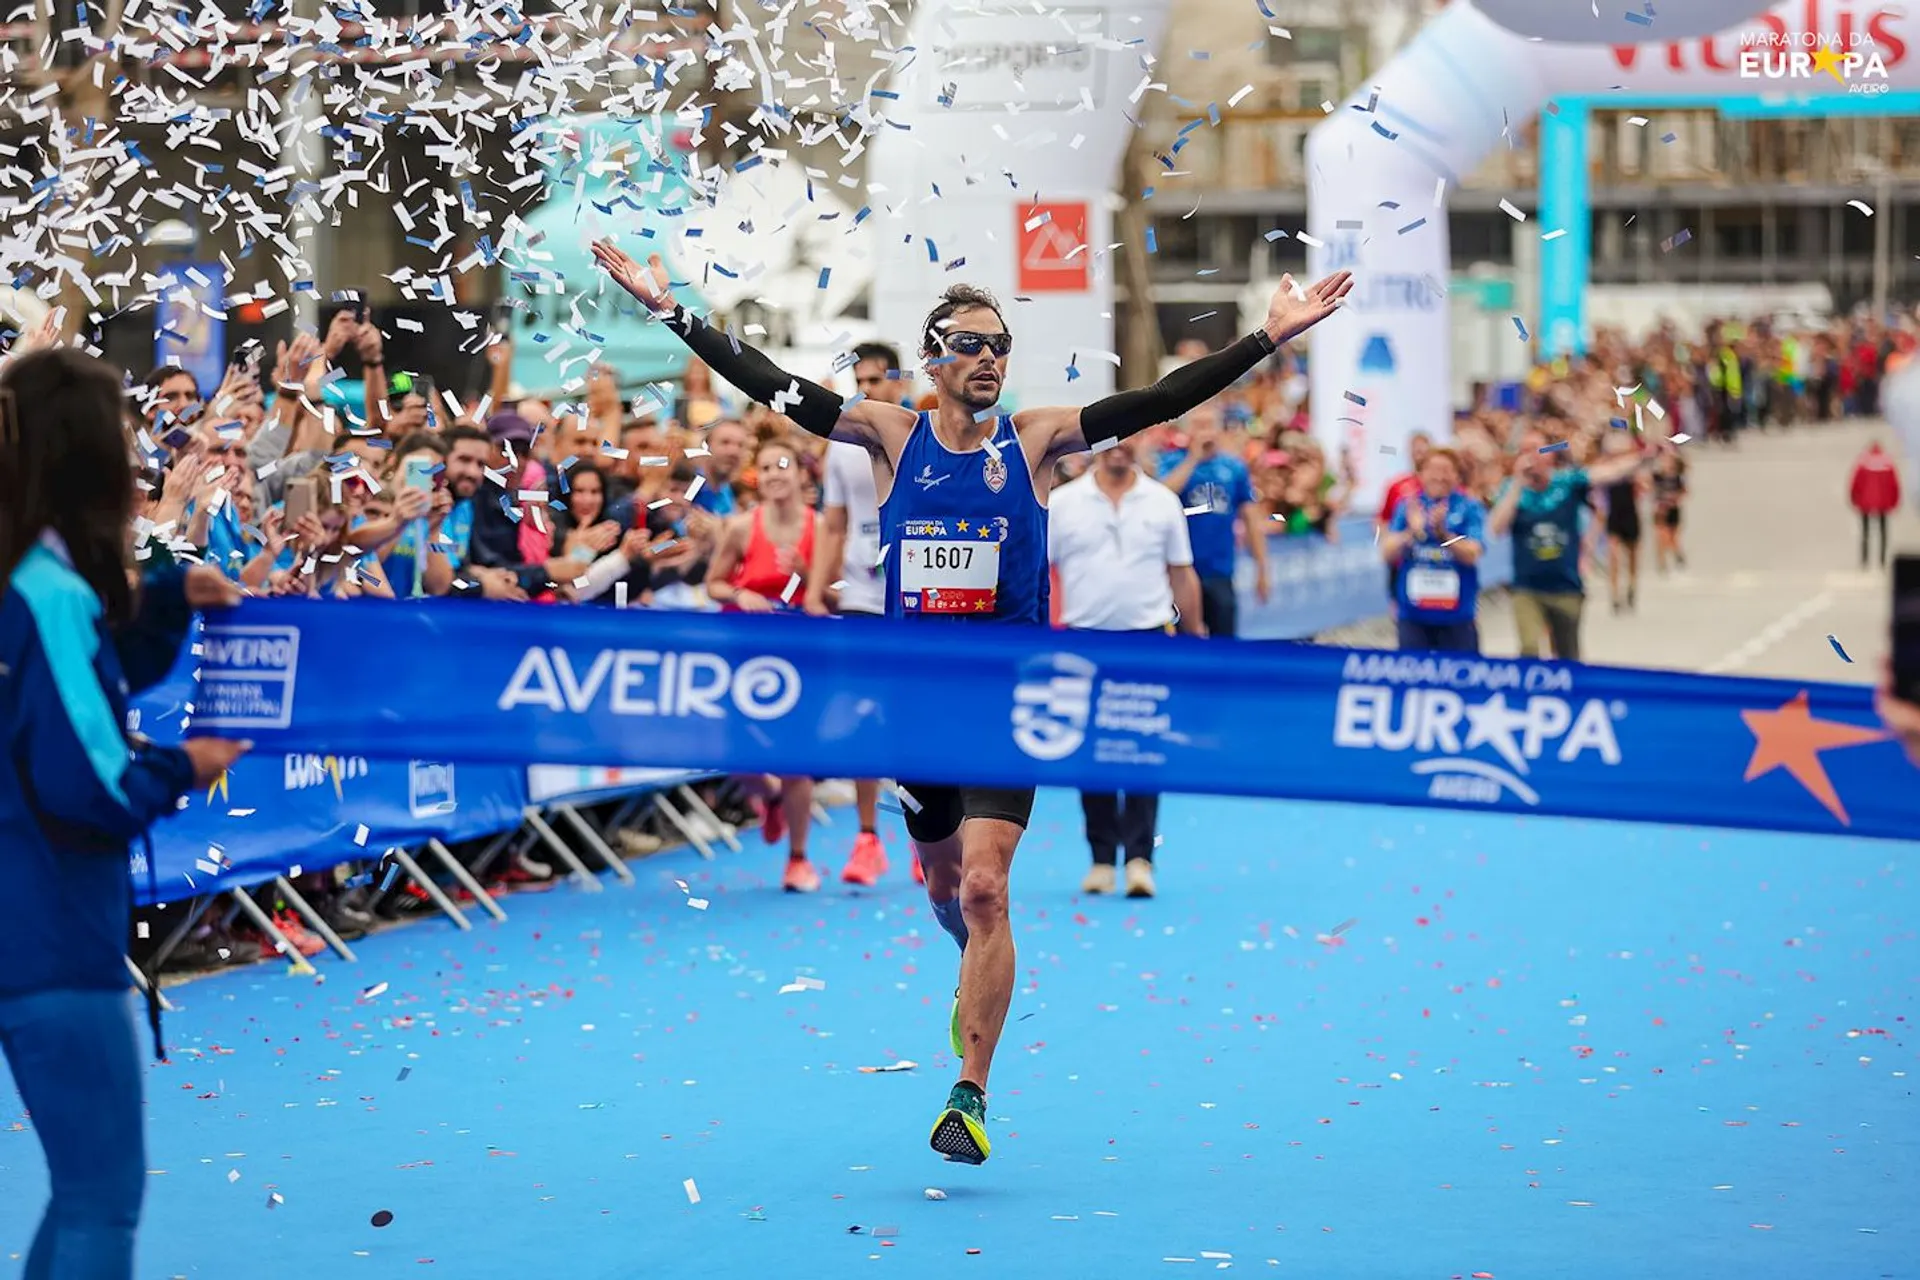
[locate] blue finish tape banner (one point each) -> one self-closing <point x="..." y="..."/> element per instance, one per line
<point x="1014" y="706"/>
<point x="310" y="807"/>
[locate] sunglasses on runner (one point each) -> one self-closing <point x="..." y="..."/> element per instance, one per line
<point x="964" y="343"/>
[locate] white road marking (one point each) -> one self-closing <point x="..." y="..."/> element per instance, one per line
<point x="1772" y="634"/>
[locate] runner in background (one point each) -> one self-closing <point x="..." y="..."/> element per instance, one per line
<point x="1418" y="446"/>
<point x="846" y="576"/>
<point x="1435" y="542"/>
<point x="1623" y="528"/>
<point x="1669" y="498"/>
<point x="760" y="566"/>
<point x="1875" y="493"/>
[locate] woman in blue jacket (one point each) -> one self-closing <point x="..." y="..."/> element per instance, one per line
<point x="78" y="633"/>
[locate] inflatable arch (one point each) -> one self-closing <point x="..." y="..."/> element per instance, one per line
<point x="1382" y="165"/>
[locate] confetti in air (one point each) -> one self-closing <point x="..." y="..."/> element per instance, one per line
<point x="1835" y="642"/>
<point x="1862" y="206"/>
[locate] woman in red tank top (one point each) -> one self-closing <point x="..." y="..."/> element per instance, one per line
<point x="761" y="566"/>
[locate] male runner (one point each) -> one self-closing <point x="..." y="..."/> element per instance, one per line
<point x="942" y="477"/>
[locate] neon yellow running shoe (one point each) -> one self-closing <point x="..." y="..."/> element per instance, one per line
<point x="960" y="1134"/>
<point x="953" y="1030"/>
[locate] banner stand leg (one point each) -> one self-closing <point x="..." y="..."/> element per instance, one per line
<point x="560" y="850"/>
<point x="683" y="826"/>
<point x="140" y="980"/>
<point x="492" y="851"/>
<point x="432" y="890"/>
<point x="264" y="923"/>
<point x="594" y="842"/>
<point x="195" y="910"/>
<point x="466" y="878"/>
<point x="691" y="798"/>
<point x="314" y="922"/>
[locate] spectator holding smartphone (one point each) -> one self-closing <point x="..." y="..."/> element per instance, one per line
<point x="78" y="629"/>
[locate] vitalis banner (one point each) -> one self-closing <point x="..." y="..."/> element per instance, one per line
<point x="478" y="682"/>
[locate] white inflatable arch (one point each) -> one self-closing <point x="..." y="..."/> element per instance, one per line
<point x="1381" y="166"/>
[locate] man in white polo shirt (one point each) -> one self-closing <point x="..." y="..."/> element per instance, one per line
<point x="846" y="575"/>
<point x="1122" y="562"/>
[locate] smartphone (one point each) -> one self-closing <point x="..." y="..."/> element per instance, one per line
<point x="303" y="499"/>
<point x="420" y="474"/>
<point x="1906" y="628"/>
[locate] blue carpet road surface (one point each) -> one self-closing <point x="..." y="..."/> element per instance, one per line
<point x="1344" y="1042"/>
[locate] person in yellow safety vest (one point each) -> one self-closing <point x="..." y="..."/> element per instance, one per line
<point x="1723" y="375"/>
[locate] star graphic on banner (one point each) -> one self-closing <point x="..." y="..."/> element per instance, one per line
<point x="1791" y="739"/>
<point x="1491" y="724"/>
<point x="1828" y="60"/>
<point x="961" y="525"/>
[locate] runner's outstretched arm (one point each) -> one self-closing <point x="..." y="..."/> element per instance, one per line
<point x="1291" y="313"/>
<point x="815" y="408"/>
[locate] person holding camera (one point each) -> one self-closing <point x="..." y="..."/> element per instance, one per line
<point x="78" y="632"/>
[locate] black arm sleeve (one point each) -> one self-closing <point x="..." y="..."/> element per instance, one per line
<point x="808" y="403"/>
<point x="1188" y="387"/>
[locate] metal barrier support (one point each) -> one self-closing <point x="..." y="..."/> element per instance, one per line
<point x="314" y="922"/>
<point x="466" y="879"/>
<point x="560" y="850"/>
<point x="594" y="842"/>
<point x="140" y="980"/>
<point x="691" y="798"/>
<point x="427" y="886"/>
<point x="264" y="922"/>
<point x="683" y="826"/>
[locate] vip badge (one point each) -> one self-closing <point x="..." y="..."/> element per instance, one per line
<point x="996" y="473"/>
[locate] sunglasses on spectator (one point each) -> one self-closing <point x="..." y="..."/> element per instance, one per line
<point x="963" y="342"/>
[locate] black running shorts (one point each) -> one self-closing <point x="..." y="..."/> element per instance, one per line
<point x="944" y="808"/>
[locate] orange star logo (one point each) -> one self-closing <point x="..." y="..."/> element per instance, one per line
<point x="1792" y="739"/>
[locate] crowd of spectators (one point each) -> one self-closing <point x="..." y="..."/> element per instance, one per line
<point x="605" y="502"/>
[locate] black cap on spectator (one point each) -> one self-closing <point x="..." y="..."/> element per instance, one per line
<point x="510" y="428"/>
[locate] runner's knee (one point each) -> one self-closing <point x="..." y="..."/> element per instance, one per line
<point x="983" y="894"/>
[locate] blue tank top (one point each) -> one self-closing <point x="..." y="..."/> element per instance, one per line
<point x="965" y="535"/>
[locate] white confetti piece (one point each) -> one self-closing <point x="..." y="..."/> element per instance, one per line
<point x="1506" y="207"/>
<point x="360" y="835"/>
<point x="1306" y="239"/>
<point x="793" y="585"/>
<point x="934" y="1193"/>
<point x="906" y="798"/>
<point x="1201" y="510"/>
<point x="1682" y="438"/>
<point x="1862" y="206"/>
<point x="698" y="904"/>
<point x="1639" y="122"/>
<point x="693" y="1192"/>
<point x="1554" y="234"/>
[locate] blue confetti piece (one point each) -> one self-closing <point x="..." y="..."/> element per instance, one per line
<point x="1415" y="225"/>
<point x="393" y="873"/>
<point x="1521" y="326"/>
<point x="886" y="93"/>
<point x="1669" y="138"/>
<point x="746" y="164"/>
<point x="1554" y="448"/>
<point x="1618" y="424"/>
<point x="1275" y="235"/>
<point x="1359" y="400"/>
<point x="824" y="273"/>
<point x="933" y="253"/>
<point x="1645" y="20"/>
<point x="1835" y="642"/>
<point x="1384" y="132"/>
<point x="1072" y="372"/>
<point x="1153" y="243"/>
